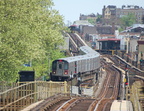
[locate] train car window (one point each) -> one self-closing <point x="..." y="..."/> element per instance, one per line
<point x="65" y="66"/>
<point x="54" y="66"/>
<point x="60" y="66"/>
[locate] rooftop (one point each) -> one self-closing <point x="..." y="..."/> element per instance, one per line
<point x="109" y="39"/>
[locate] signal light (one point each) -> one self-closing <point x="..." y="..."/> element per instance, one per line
<point x="126" y="67"/>
<point x="126" y="83"/>
<point x="60" y="60"/>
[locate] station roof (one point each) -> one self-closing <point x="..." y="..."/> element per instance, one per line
<point x="108" y="39"/>
<point x="140" y="41"/>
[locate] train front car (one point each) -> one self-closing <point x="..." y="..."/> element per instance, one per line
<point x="66" y="68"/>
<point x="59" y="70"/>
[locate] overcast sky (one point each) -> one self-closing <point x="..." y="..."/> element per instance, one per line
<point x="71" y="9"/>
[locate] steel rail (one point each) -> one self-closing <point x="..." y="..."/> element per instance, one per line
<point x="115" y="91"/>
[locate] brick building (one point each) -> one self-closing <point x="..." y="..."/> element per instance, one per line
<point x="112" y="13"/>
<point x="86" y="17"/>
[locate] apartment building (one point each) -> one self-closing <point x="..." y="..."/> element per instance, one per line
<point x="86" y="17"/>
<point x="113" y="13"/>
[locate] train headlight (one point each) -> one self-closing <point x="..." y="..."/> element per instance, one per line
<point x="54" y="72"/>
<point x="66" y="72"/>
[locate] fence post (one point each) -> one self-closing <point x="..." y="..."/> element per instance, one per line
<point x="65" y="87"/>
<point x="50" y="82"/>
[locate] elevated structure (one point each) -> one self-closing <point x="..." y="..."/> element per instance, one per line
<point x="109" y="44"/>
<point x="137" y="95"/>
<point x="27" y="93"/>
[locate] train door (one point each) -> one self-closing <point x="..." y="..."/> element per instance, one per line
<point x="60" y="67"/>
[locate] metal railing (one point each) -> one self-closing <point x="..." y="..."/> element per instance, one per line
<point x="129" y="59"/>
<point x="137" y="95"/>
<point x="26" y="93"/>
<point x="6" y="86"/>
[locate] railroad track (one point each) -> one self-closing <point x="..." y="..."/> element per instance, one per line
<point x="80" y="104"/>
<point x="126" y="66"/>
<point x="52" y="103"/>
<point x="77" y="40"/>
<point x="102" y="102"/>
<point x="110" y="92"/>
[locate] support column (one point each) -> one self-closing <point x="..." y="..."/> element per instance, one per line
<point x="79" y="83"/>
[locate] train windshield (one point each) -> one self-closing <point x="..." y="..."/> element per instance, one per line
<point x="65" y="65"/>
<point x="54" y="65"/>
<point x="60" y="65"/>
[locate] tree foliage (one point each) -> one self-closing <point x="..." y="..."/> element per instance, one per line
<point x="128" y="20"/>
<point x="92" y="21"/>
<point x="99" y="18"/>
<point x="29" y="30"/>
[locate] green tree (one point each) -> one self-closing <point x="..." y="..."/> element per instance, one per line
<point x="29" y="29"/>
<point x="92" y="21"/>
<point x="99" y="18"/>
<point x="128" y="20"/>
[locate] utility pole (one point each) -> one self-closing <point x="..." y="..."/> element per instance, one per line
<point x="71" y="83"/>
<point x="126" y="80"/>
<point x="79" y="83"/>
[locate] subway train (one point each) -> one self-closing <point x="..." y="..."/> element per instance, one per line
<point x="69" y="67"/>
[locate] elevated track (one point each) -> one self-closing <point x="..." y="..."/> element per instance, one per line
<point x="100" y="103"/>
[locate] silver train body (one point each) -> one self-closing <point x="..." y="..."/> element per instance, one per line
<point x="65" y="68"/>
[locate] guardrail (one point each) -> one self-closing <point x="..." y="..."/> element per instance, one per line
<point x="137" y="95"/>
<point x="129" y="59"/>
<point x="6" y="86"/>
<point x="27" y="93"/>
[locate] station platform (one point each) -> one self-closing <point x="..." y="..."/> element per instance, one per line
<point x="121" y="105"/>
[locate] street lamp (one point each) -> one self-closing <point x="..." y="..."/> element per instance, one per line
<point x="71" y="76"/>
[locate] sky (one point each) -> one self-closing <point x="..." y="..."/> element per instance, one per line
<point x="71" y="9"/>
